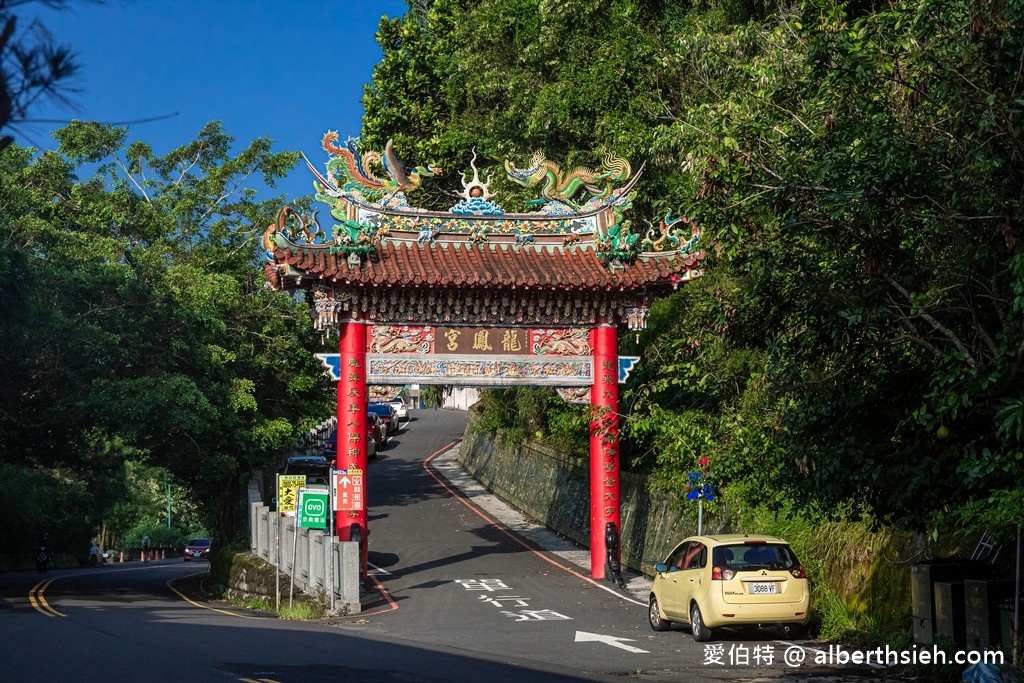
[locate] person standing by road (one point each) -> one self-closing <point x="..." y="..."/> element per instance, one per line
<point x="43" y="553"/>
<point x="145" y="547"/>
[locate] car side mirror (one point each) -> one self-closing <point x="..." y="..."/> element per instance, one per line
<point x="661" y="568"/>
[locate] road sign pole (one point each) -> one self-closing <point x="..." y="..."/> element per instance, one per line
<point x="295" y="545"/>
<point x="329" y="545"/>
<point x="277" y="542"/>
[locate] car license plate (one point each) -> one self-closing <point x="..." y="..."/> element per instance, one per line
<point x="764" y="588"/>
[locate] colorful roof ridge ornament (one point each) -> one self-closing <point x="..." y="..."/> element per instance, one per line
<point x="579" y="205"/>
<point x="578" y="240"/>
<point x="618" y="243"/>
<point x="476" y="195"/>
<point x="351" y="170"/>
<point x="354" y="238"/>
<point x="678" y="234"/>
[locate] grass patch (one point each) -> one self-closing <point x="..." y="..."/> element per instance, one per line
<point x="301" y="610"/>
<point x="838" y="617"/>
<point x="259" y="604"/>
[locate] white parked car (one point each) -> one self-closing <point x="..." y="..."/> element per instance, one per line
<point x="401" y="411"/>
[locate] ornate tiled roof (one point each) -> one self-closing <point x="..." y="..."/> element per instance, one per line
<point x="483" y="266"/>
<point x="575" y="261"/>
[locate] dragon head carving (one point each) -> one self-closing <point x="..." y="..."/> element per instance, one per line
<point x="529" y="175"/>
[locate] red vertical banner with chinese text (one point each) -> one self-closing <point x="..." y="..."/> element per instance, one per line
<point x="352" y="399"/>
<point x="604" y="445"/>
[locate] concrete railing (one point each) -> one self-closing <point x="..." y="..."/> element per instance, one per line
<point x="318" y="564"/>
<point x="313" y="441"/>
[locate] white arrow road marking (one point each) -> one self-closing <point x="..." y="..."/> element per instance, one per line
<point x="614" y="641"/>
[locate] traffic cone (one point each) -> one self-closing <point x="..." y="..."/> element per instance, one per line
<point x="163" y="554"/>
<point x="122" y="556"/>
<point x="143" y="553"/>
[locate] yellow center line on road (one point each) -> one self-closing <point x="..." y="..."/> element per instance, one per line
<point x="38" y="602"/>
<point x="202" y="606"/>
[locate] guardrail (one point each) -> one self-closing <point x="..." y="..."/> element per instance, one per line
<point x="318" y="564"/>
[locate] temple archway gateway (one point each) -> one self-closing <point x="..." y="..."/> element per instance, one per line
<point x="475" y="296"/>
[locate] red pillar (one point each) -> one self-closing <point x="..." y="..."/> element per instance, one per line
<point x="351" y="494"/>
<point x="604" y="445"/>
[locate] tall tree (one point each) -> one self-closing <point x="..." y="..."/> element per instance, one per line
<point x="505" y="78"/>
<point x="150" y="334"/>
<point x="860" y="175"/>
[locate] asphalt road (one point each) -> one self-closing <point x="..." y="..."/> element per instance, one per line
<point x="452" y="574"/>
<point x="455" y="596"/>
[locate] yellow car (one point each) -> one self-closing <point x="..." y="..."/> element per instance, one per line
<point x="729" y="580"/>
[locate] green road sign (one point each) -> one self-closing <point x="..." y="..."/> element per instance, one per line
<point x="313" y="507"/>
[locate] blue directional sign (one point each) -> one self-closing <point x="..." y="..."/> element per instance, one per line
<point x="331" y="361"/>
<point x="626" y="364"/>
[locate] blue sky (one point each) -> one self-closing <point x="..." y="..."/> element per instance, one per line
<point x="288" y="70"/>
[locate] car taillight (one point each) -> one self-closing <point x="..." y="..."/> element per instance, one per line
<point x="798" y="572"/>
<point x="719" y="574"/>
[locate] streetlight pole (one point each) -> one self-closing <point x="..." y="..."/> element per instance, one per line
<point x="168" y="504"/>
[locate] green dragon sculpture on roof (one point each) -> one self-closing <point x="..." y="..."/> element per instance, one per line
<point x="562" y="187"/>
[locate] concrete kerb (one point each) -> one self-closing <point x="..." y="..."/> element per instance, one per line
<point x="447" y="465"/>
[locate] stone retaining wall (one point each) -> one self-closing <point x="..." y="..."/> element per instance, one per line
<point x="554" y="490"/>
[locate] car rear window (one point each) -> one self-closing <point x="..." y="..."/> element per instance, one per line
<point x="743" y="556"/>
<point x="331" y="445"/>
<point x="199" y="542"/>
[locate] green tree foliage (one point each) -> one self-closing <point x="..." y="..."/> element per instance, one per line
<point x="508" y="77"/>
<point x="138" y="325"/>
<point x="434" y="395"/>
<point x="856" y="170"/>
<point x="861" y="178"/>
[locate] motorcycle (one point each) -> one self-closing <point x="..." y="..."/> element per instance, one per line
<point x="42" y="558"/>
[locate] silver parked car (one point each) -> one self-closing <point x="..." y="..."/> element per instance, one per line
<point x="398" y="403"/>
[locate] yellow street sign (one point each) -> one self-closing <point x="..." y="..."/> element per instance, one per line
<point x="288" y="486"/>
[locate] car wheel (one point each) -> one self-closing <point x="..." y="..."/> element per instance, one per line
<point x="654" y="616"/>
<point x="701" y="633"/>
